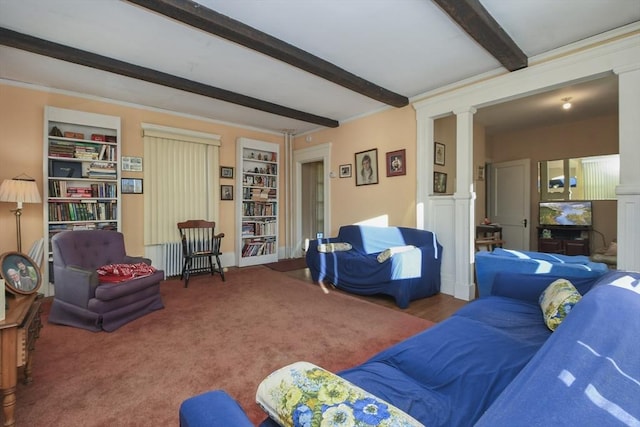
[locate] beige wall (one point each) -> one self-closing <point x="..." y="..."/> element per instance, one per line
<point x="393" y="197"/>
<point x="21" y="151"/>
<point x="595" y="136"/>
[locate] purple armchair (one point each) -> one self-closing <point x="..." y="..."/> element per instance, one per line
<point x="81" y="300"/>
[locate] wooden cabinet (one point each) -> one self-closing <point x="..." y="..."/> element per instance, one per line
<point x="18" y="334"/>
<point x="82" y="174"/>
<point x="564" y="240"/>
<point x="257" y="201"/>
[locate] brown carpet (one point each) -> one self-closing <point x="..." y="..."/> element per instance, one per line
<point x="288" y="264"/>
<point x="212" y="335"/>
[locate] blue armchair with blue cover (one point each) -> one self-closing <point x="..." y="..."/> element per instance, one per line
<point x="366" y="260"/>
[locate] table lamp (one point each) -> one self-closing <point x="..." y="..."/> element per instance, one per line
<point x="21" y="189"/>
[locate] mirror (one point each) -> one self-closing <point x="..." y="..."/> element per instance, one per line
<point x="590" y="178"/>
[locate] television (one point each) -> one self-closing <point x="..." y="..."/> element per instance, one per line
<point x="568" y="213"/>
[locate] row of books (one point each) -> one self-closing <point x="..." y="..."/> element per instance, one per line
<point x="258" y="194"/>
<point x="67" y="189"/>
<point x="259" y="228"/>
<point x="75" y="150"/>
<point x="83" y="211"/>
<point x="256" y="247"/>
<point x="258" y="208"/>
<point x="102" y="170"/>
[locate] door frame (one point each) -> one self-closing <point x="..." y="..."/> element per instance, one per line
<point x="317" y="153"/>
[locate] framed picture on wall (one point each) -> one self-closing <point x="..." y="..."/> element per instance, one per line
<point x="367" y="167"/>
<point x="226" y="172"/>
<point x="345" y="171"/>
<point x="131" y="185"/>
<point x="226" y="192"/>
<point x="438" y="154"/>
<point x="396" y="163"/>
<point x="439" y="182"/>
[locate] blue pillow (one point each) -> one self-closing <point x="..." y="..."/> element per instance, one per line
<point x="528" y="287"/>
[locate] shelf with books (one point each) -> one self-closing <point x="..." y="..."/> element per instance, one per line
<point x="257" y="201"/>
<point x="82" y="174"/>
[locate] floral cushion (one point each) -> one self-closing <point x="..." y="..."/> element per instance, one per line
<point x="557" y="300"/>
<point x="334" y="247"/>
<point x="305" y="395"/>
<point x="388" y="253"/>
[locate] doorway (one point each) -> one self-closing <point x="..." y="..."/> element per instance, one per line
<point x="311" y="195"/>
<point x="312" y="203"/>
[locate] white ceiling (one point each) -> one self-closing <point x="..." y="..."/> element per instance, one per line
<point x="407" y="46"/>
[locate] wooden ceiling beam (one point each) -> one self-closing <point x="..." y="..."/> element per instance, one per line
<point x="479" y="24"/>
<point x="212" y="22"/>
<point x="65" y="53"/>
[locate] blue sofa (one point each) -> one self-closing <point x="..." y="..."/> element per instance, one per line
<point x="496" y="363"/>
<point x="406" y="276"/>
<point x="488" y="264"/>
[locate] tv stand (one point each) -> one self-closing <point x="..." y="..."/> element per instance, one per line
<point x="567" y="240"/>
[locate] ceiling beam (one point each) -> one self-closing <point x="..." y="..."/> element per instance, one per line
<point x="479" y="24"/>
<point x="210" y="21"/>
<point x="65" y="53"/>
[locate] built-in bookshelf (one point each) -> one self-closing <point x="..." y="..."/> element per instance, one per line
<point x="257" y="201"/>
<point x="82" y="173"/>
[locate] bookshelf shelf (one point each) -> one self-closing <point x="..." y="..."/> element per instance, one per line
<point x="257" y="201"/>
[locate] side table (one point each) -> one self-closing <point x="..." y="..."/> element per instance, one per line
<point x="18" y="334"/>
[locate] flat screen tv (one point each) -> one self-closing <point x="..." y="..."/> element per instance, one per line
<point x="572" y="213"/>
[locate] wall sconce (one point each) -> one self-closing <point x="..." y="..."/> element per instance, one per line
<point x="566" y="104"/>
<point x="21" y="189"/>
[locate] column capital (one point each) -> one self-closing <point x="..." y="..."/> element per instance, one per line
<point x="461" y="110"/>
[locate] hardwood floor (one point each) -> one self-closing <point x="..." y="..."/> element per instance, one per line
<point x="435" y="308"/>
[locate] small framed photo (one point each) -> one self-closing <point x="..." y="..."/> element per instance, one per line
<point x="131" y="164"/>
<point x="345" y="171"/>
<point x="226" y="172"/>
<point x="438" y="154"/>
<point x="439" y="182"/>
<point x="226" y="192"/>
<point x="396" y="163"/>
<point x="131" y="185"/>
<point x="367" y="167"/>
<point x="20" y="273"/>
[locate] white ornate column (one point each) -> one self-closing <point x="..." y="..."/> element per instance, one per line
<point x="628" y="192"/>
<point x="464" y="199"/>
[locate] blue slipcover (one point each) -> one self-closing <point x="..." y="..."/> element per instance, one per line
<point x="488" y="264"/>
<point x="405" y="276"/>
<point x="588" y="372"/>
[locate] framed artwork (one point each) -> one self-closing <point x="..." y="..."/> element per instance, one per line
<point x="345" y="171"/>
<point x="226" y="172"/>
<point x="131" y="185"/>
<point x="20" y="273"/>
<point x="438" y="154"/>
<point x="131" y="164"/>
<point x="396" y="163"/>
<point x="226" y="192"/>
<point x="367" y="167"/>
<point x="439" y="182"/>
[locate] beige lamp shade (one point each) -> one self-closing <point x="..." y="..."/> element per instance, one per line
<point x="20" y="191"/>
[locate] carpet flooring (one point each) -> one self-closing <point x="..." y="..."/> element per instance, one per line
<point x="211" y="335"/>
<point x="288" y="264"/>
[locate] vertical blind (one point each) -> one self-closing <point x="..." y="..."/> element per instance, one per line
<point x="181" y="180"/>
<point x="602" y="176"/>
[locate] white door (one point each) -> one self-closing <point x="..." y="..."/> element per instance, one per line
<point x="509" y="199"/>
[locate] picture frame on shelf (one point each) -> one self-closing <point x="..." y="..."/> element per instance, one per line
<point x="131" y="185"/>
<point x="366" y="167"/>
<point x="439" y="153"/>
<point x="345" y="171"/>
<point x="396" y="161"/>
<point x="21" y="274"/>
<point x="439" y="182"/>
<point x="226" y="172"/>
<point x="226" y="192"/>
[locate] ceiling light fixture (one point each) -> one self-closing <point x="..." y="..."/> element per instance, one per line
<point x="566" y="104"/>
